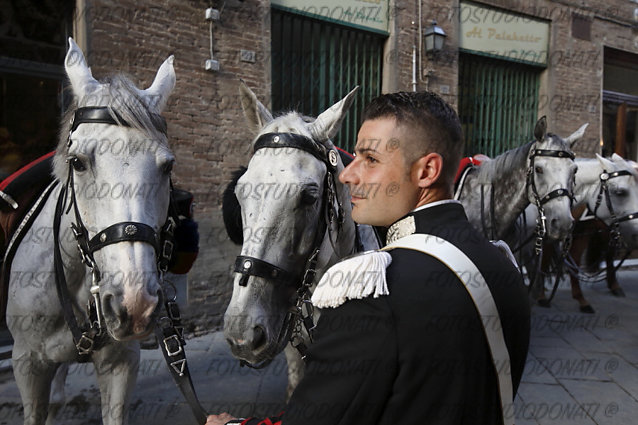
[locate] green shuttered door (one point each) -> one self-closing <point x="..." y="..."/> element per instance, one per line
<point x="316" y="63"/>
<point x="498" y="103"/>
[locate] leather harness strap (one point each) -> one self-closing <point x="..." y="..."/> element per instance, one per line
<point x="105" y="115"/>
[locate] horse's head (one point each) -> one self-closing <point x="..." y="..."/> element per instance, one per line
<point x="550" y="178"/>
<point x="291" y="206"/>
<point x="615" y="200"/>
<point x="115" y="158"/>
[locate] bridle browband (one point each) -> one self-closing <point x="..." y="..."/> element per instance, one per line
<point x="169" y="329"/>
<point x="332" y="213"/>
<point x="106" y="115"/>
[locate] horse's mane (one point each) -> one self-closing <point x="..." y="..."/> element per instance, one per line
<point x="119" y="94"/>
<point x="493" y="169"/>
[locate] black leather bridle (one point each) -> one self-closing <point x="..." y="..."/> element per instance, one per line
<point x="90" y="337"/>
<point x="332" y="212"/>
<point x="162" y="243"/>
<point x="604" y="193"/>
<point x="541" y="223"/>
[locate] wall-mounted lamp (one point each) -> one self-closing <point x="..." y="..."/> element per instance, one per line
<point x="434" y="37"/>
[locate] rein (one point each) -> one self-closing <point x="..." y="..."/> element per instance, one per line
<point x="249" y="266"/>
<point x="87" y="339"/>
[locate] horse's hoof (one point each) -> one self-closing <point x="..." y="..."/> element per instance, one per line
<point x="587" y="309"/>
<point x="618" y="292"/>
<point x="544" y="302"/>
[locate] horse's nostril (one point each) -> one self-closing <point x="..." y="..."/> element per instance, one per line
<point x="113" y="309"/>
<point x="259" y="337"/>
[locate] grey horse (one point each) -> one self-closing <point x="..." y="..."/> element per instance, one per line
<point x="111" y="166"/>
<point x="293" y="208"/>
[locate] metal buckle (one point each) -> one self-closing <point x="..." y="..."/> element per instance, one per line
<point x="179" y="366"/>
<point x="82" y="349"/>
<point x="173" y="310"/>
<point x="177" y="342"/>
<point x="167" y="250"/>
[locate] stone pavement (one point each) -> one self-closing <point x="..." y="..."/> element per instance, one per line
<point x="582" y="370"/>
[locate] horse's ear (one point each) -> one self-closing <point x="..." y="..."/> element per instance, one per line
<point x="329" y="121"/>
<point x="540" y="129"/>
<point x="606" y="164"/>
<point x="617" y="158"/>
<point x="157" y="94"/>
<point x="256" y="113"/>
<point x="79" y="73"/>
<point x="576" y="135"/>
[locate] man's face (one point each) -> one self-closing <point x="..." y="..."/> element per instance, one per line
<point x="379" y="178"/>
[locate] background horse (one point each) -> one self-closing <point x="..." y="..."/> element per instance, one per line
<point x="541" y="173"/>
<point x="606" y="194"/>
<point x="296" y="222"/>
<point x="112" y="169"/>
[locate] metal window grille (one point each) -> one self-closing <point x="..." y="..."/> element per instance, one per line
<point x="315" y="63"/>
<point x="498" y="103"/>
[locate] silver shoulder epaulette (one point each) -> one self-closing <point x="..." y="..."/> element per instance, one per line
<point x="353" y="278"/>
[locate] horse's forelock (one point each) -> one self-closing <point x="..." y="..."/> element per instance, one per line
<point x="556" y="142"/>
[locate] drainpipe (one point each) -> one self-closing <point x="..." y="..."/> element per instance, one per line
<point x="414" y="68"/>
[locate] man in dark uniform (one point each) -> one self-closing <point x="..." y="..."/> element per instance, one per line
<point x="416" y="353"/>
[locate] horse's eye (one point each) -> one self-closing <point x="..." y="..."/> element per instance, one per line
<point x="77" y="164"/>
<point x="621" y="192"/>
<point x="539" y="170"/>
<point x="309" y="196"/>
<point x="167" y="167"/>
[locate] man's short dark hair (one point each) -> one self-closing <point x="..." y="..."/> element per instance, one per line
<point x="437" y="126"/>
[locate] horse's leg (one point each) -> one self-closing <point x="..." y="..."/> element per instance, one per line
<point x="295" y="369"/>
<point x="57" y="398"/>
<point x="612" y="282"/>
<point x="33" y="377"/>
<point x="538" y="290"/>
<point x="576" y="251"/>
<point x="116" y="368"/>
<point x="577" y="294"/>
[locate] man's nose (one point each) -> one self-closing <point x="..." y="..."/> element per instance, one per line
<point x="347" y="176"/>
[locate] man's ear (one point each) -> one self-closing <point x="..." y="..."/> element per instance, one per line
<point x="427" y="170"/>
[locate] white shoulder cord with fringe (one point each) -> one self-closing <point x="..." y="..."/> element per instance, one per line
<point x="364" y="275"/>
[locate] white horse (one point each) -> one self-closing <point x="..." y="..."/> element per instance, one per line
<point x="540" y="173"/>
<point x="296" y="219"/>
<point x="608" y="190"/>
<point x="112" y="169"/>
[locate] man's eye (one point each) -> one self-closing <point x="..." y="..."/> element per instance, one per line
<point x="371" y="159"/>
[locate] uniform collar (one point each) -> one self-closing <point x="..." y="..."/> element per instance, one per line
<point x="407" y="225"/>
